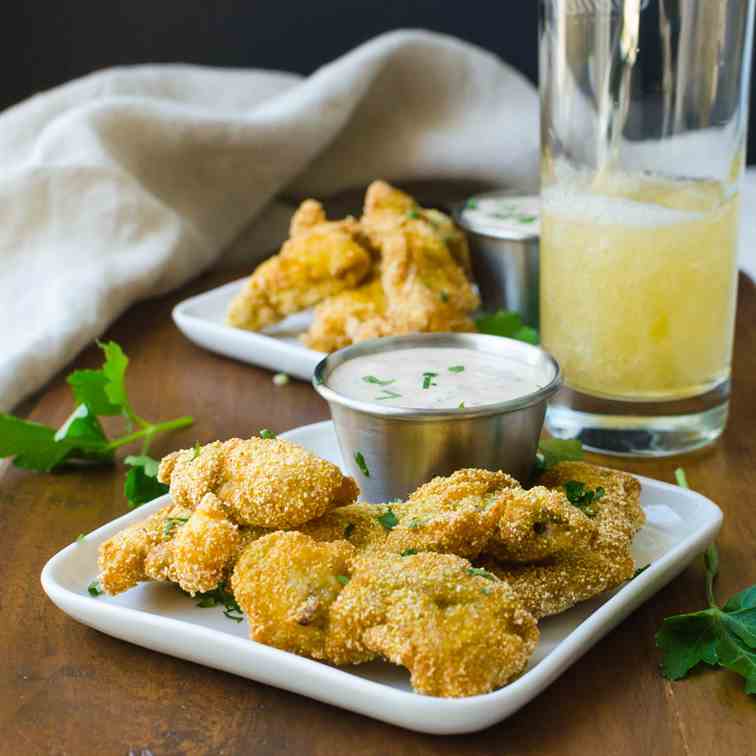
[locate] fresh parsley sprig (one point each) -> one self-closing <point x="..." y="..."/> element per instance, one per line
<point x="723" y="637"/>
<point x="81" y="438"/>
<point x="506" y="323"/>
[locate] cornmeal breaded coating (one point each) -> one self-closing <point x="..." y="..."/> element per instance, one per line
<point x="558" y="583"/>
<point x="538" y="524"/>
<point x="361" y="524"/>
<point x="286" y="583"/>
<point x="320" y="259"/>
<point x="204" y="546"/>
<point x="457" y="514"/>
<point x="269" y="483"/>
<point x="424" y="264"/>
<point x="621" y="498"/>
<point x="458" y="630"/>
<point x="340" y="320"/>
<point x="121" y="558"/>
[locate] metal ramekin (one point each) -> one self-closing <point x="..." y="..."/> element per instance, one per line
<point x="505" y="265"/>
<point x="404" y="448"/>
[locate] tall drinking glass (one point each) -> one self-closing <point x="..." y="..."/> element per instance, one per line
<point x="644" y="107"/>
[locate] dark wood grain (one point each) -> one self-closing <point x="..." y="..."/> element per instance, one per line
<point x="65" y="688"/>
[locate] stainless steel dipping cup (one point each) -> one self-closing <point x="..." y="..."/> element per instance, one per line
<point x="399" y="448"/>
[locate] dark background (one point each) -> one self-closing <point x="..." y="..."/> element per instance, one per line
<point x="44" y="43"/>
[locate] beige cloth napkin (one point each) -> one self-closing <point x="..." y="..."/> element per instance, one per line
<point x="129" y="182"/>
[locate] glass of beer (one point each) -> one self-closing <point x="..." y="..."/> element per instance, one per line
<point x="644" y="107"/>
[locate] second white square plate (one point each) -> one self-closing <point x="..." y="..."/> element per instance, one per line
<point x="202" y="319"/>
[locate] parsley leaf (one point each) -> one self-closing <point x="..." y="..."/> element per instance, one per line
<point x="343" y="579"/>
<point x="94" y="589"/>
<point x="388" y="519"/>
<point x="267" y="434"/>
<point x="457" y="369"/>
<point x="428" y="380"/>
<point x="349" y="529"/>
<point x="32" y="445"/>
<point x="480" y="572"/>
<point x="581" y="497"/>
<point x="508" y="324"/>
<point x="388" y="394"/>
<point x="88" y="387"/>
<point x="724" y="637"/>
<point x="408" y="552"/>
<point x="378" y="381"/>
<point x="552" y="451"/>
<point x="171" y="523"/>
<point x="359" y="458"/>
<point x="221" y="596"/>
<point x="141" y="483"/>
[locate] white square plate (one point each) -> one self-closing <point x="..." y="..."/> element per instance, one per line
<point x="202" y="319"/>
<point x="680" y="524"/>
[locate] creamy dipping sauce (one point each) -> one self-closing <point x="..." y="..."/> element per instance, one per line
<point x="503" y="216"/>
<point x="435" y="378"/>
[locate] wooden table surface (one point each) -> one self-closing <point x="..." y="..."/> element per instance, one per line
<point x="69" y="689"/>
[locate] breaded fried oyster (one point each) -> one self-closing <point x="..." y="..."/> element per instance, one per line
<point x="321" y="258"/>
<point x="561" y="581"/>
<point x="286" y="583"/>
<point x="457" y="514"/>
<point x="269" y="483"/>
<point x="457" y="629"/>
<point x="122" y="557"/>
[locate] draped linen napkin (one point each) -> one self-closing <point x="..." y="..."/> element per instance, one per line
<point x="129" y="182"/>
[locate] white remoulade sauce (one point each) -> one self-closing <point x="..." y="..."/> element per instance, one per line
<point x="435" y="378"/>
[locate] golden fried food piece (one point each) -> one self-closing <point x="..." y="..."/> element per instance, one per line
<point x="363" y="525"/>
<point x="553" y="586"/>
<point x="458" y="630"/>
<point x="121" y="558"/>
<point x="340" y="320"/>
<point x="457" y="514"/>
<point x="321" y="258"/>
<point x="286" y="583"/>
<point x="538" y="524"/>
<point x="620" y="500"/>
<point x="269" y="483"/>
<point x="560" y="582"/>
<point x="424" y="260"/>
<point x="204" y="546"/>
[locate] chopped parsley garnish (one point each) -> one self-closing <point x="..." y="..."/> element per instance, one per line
<point x="408" y="552"/>
<point x="388" y="394"/>
<point x="581" y="497"/>
<point x="526" y="218"/>
<point x="197" y="450"/>
<point x="461" y="405"/>
<point x="640" y="570"/>
<point x="428" y="380"/>
<point x="486" y="591"/>
<point x="471" y="204"/>
<point x="416" y="522"/>
<point x="413" y="214"/>
<point x="681" y="479"/>
<point x="94" y="589"/>
<point x="267" y="434"/>
<point x="457" y="369"/>
<point x="221" y="596"/>
<point x="348" y="530"/>
<point x="359" y="458"/>
<point x="444" y="296"/>
<point x="480" y="572"/>
<point x="388" y="519"/>
<point x="378" y="381"/>
<point x="170" y="524"/>
<point x="343" y="579"/>
<point x="81" y="538"/>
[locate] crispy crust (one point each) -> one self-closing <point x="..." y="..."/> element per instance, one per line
<point x="458" y="633"/>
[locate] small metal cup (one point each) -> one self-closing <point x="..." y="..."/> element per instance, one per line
<point x="505" y="263"/>
<point x="404" y="448"/>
